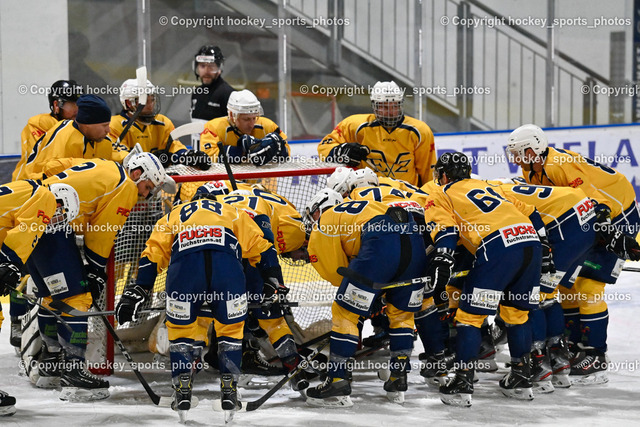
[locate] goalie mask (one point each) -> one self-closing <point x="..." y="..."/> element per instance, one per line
<point x="386" y="100"/>
<point x="455" y="165"/>
<point x="68" y="205"/>
<point x="208" y="55"/>
<point x="130" y="91"/>
<point x="522" y="138"/>
<point x="323" y="200"/>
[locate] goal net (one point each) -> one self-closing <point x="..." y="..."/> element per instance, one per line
<point x="296" y="181"/>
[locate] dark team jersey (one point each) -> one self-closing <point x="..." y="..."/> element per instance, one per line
<point x="210" y="101"/>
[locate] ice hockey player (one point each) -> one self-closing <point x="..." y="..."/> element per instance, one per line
<point x="380" y="243"/>
<point x="62" y="95"/>
<point x="151" y="129"/>
<point x="397" y="145"/>
<point x="504" y="235"/>
<point x="206" y="241"/>
<point x="618" y="224"/>
<point x="107" y="193"/>
<point x="85" y="137"/>
<point x="247" y="136"/>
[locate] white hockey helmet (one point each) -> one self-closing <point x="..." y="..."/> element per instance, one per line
<point x="130" y="91"/>
<point x="323" y="200"/>
<point x="339" y="180"/>
<point x="243" y="102"/>
<point x="69" y="207"/>
<point x="524" y="137"/>
<point x="241" y="193"/>
<point x="386" y="100"/>
<point x="151" y="169"/>
<point x="363" y="178"/>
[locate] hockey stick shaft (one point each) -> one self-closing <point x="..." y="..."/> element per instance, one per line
<point x="34" y="301"/>
<point x="632" y="269"/>
<point x="252" y="406"/>
<point x="141" y="81"/>
<point x="225" y="160"/>
<point x="355" y="276"/>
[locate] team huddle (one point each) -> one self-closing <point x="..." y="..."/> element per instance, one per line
<point x="395" y="228"/>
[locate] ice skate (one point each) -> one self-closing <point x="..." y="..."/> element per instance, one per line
<point x="458" y="390"/>
<point x="332" y="393"/>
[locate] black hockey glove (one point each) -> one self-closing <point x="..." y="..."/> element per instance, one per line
<point x="273" y="292"/>
<point x="624" y="246"/>
<point x="96" y="282"/>
<point x="9" y="278"/>
<point x="439" y="270"/>
<point x="547" y="259"/>
<point x="198" y="159"/>
<point x="266" y="149"/>
<point x="132" y="299"/>
<point x="350" y="154"/>
<point x="604" y="229"/>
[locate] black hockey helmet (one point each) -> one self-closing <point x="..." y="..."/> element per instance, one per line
<point x="208" y="53"/>
<point x="64" y="90"/>
<point x="456" y="165"/>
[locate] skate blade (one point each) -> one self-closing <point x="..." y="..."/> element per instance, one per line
<point x="48" y="382"/>
<point x="76" y="394"/>
<point x="182" y="413"/>
<point x="331" y="402"/>
<point x="518" y="393"/>
<point x="462" y="400"/>
<point x="228" y="416"/>
<point x="7" y="411"/>
<point x="545" y="386"/>
<point x="591" y="379"/>
<point x="561" y="381"/>
<point x="396" y="397"/>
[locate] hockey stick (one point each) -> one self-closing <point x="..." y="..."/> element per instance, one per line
<point x="253" y="405"/>
<point x="141" y="82"/>
<point x="357" y="277"/>
<point x="66" y="308"/>
<point x="34" y="301"/>
<point x="157" y="400"/>
<point x="179" y="132"/>
<point x="633" y="269"/>
<point x="225" y="160"/>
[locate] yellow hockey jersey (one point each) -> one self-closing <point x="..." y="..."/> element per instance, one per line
<point x="188" y="189"/>
<point x="335" y="240"/>
<point x="63" y="140"/>
<point x="36" y="127"/>
<point x="219" y="129"/>
<point x="390" y="196"/>
<point x="107" y="195"/>
<point x="407" y="152"/>
<point x="253" y="206"/>
<point x="552" y="202"/>
<point x="204" y="224"/>
<point x="25" y="210"/>
<point x="564" y="168"/>
<point x="476" y="210"/>
<point x="151" y="137"/>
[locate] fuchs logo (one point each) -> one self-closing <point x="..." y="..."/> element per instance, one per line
<point x="576" y="183"/>
<point x="45" y="218"/>
<point x="123" y="211"/>
<point x="201" y="236"/>
<point x="518" y="233"/>
<point x="585" y="210"/>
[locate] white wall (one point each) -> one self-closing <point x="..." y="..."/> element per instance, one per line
<point x="34" y="53"/>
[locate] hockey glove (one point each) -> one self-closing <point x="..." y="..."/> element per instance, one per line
<point x="547" y="259"/>
<point x="266" y="149"/>
<point x="273" y="292"/>
<point x="96" y="282"/>
<point x="350" y="154"/>
<point x="9" y="278"/>
<point x="439" y="270"/>
<point x="198" y="159"/>
<point x="235" y="154"/>
<point x="624" y="246"/>
<point x="604" y="230"/>
<point x="130" y="303"/>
